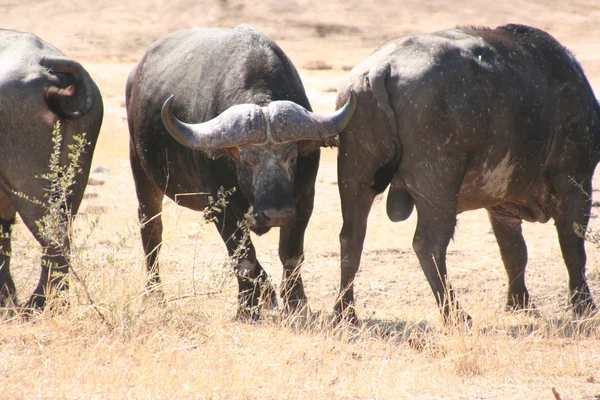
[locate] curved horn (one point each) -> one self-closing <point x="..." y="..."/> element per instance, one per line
<point x="291" y="122"/>
<point x="336" y="122"/>
<point x="58" y="98"/>
<point x="238" y="125"/>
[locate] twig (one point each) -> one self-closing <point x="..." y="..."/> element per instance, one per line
<point x="88" y="295"/>
<point x="556" y="394"/>
<point x="191" y="296"/>
<point x="189" y="347"/>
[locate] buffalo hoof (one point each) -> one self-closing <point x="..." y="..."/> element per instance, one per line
<point x="250" y="302"/>
<point x="8" y="291"/>
<point x="9" y="305"/>
<point x="521" y="303"/>
<point x="8" y="300"/>
<point x="583" y="305"/>
<point x="268" y="296"/>
<point x="36" y="302"/>
<point x="345" y="314"/>
<point x="248" y="314"/>
<point x="154" y="288"/>
<point x="295" y="306"/>
<point x="294" y="300"/>
<point x="459" y="319"/>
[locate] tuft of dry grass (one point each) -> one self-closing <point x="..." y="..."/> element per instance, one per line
<point x="195" y="350"/>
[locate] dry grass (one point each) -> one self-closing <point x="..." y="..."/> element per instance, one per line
<point x="189" y="346"/>
<point x="192" y="348"/>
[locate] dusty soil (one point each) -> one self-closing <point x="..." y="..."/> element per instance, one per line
<point x="109" y="36"/>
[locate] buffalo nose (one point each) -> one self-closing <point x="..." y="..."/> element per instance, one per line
<point x="278" y="217"/>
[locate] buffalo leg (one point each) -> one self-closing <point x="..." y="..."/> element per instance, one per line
<point x="251" y="277"/>
<point x="291" y="254"/>
<point x="574" y="210"/>
<point x="149" y="215"/>
<point x="356" y="205"/>
<point x="514" y="256"/>
<point x="291" y="238"/>
<point x="435" y="228"/>
<point x="8" y="292"/>
<point x="151" y="227"/>
<point x="55" y="266"/>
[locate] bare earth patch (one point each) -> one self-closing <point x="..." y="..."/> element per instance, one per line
<point x="316" y="65"/>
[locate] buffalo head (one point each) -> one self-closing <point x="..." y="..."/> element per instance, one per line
<point x="264" y="142"/>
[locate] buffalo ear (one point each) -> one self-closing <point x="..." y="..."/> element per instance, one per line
<point x="306" y="147"/>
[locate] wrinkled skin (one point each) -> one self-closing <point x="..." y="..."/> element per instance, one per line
<point x="208" y="71"/>
<point x="39" y="86"/>
<point x="464" y="119"/>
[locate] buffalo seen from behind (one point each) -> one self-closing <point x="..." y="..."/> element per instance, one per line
<point x="502" y="119"/>
<point x="249" y="127"/>
<point x="40" y="86"/>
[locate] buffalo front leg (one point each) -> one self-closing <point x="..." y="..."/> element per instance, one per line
<point x="8" y="291"/>
<point x="356" y="205"/>
<point x="252" y="279"/>
<point x="291" y="254"/>
<point x="291" y="237"/>
<point x="513" y="250"/>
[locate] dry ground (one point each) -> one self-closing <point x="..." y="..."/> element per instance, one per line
<point x="190" y="347"/>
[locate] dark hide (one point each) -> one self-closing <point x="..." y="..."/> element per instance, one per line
<point x="208" y="71"/>
<point x="463" y="119"/>
<point x="38" y="87"/>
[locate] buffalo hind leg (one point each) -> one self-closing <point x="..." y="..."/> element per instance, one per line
<point x="291" y="254"/>
<point x="575" y="210"/>
<point x="513" y="250"/>
<point x="356" y="205"/>
<point x="55" y="266"/>
<point x="8" y="291"/>
<point x="435" y="228"/>
<point x="55" y="269"/>
<point x="151" y="228"/>
<point x="252" y="279"/>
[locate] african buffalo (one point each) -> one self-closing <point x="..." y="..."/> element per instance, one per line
<point x="38" y="87"/>
<point x="250" y="128"/>
<point x="502" y="119"/>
